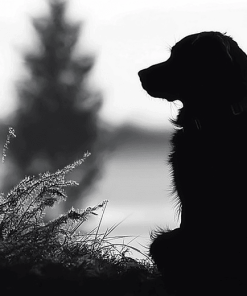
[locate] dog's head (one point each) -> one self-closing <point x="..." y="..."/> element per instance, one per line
<point x="203" y="69"/>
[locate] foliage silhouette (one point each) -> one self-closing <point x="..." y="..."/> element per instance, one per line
<point x="52" y="257"/>
<point x="57" y="115"/>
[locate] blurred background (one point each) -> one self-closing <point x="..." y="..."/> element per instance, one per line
<point x="69" y="84"/>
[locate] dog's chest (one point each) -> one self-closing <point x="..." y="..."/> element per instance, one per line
<point x="188" y="146"/>
<point x="199" y="156"/>
<point x="194" y="156"/>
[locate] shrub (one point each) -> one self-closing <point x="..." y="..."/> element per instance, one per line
<point x="49" y="255"/>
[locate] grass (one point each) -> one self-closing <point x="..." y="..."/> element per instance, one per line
<point x="38" y="257"/>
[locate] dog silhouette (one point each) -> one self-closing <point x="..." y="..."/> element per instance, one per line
<point x="207" y="72"/>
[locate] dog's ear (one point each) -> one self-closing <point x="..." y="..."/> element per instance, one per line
<point x="225" y="45"/>
<point x="239" y="58"/>
<point x="215" y="42"/>
<point x="213" y="46"/>
<point x="224" y="63"/>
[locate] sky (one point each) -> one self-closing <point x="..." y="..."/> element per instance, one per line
<point x="125" y="36"/>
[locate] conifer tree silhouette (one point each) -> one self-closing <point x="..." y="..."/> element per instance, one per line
<point x="56" y="121"/>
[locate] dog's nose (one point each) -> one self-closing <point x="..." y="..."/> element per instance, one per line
<point x="143" y="79"/>
<point x="140" y="73"/>
<point x="142" y="76"/>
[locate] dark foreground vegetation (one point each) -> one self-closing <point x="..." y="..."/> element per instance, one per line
<point x="93" y="276"/>
<point x="47" y="258"/>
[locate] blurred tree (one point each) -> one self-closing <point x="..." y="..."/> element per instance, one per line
<point x="57" y="119"/>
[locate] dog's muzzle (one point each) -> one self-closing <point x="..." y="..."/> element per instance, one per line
<point x="158" y="81"/>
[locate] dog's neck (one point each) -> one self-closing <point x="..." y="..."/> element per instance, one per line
<point x="197" y="122"/>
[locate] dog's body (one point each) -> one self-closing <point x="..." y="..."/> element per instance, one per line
<point x="207" y="72"/>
